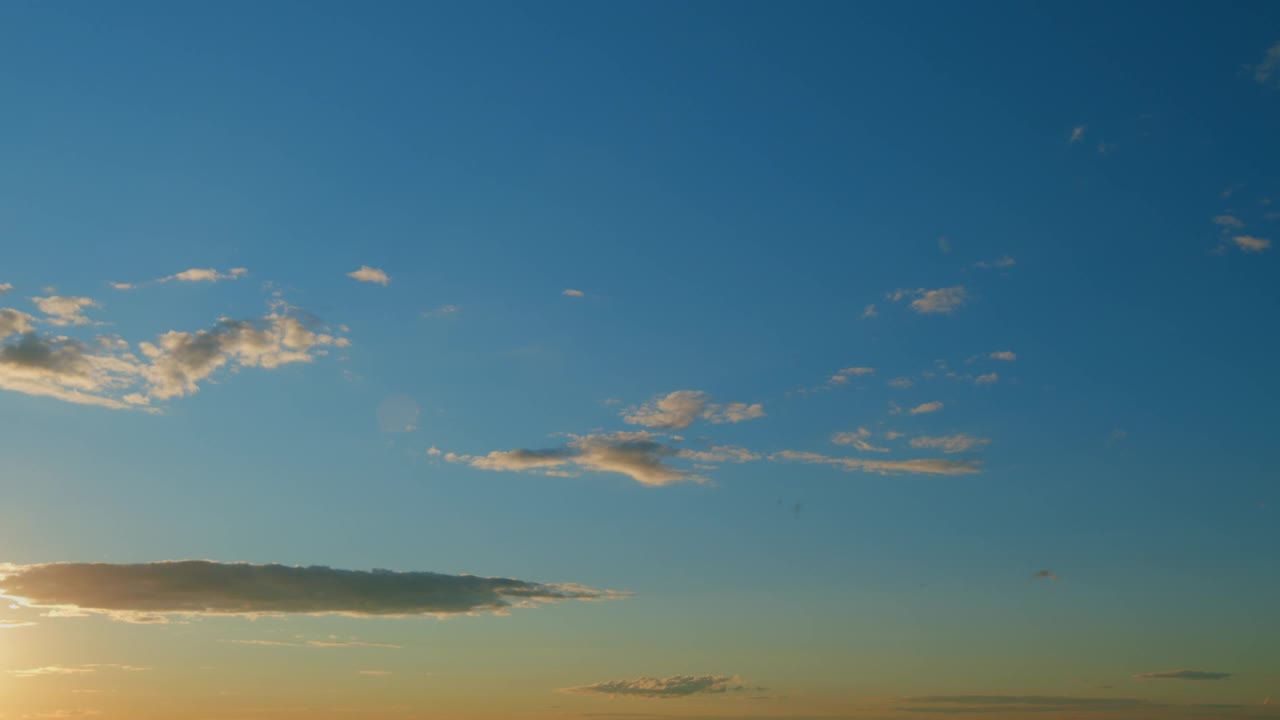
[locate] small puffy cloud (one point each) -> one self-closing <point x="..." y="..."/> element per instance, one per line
<point x="1228" y="221"/>
<point x="680" y="409"/>
<point x="858" y="439"/>
<point x="1045" y="575"/>
<point x="926" y="408"/>
<point x="205" y="275"/>
<point x="123" y="286"/>
<point x="1006" y="355"/>
<point x="202" y="587"/>
<point x="932" y="302"/>
<point x="987" y="378"/>
<point x="1000" y="262"/>
<point x="1251" y="244"/>
<point x="1077" y="133"/>
<point x="1192" y="675"/>
<point x="370" y="275"/>
<point x="870" y="311"/>
<point x="883" y="467"/>
<point x="570" y="292"/>
<point x="676" y="686"/>
<point x="6" y="288"/>
<point x="1265" y="71"/>
<point x="638" y="455"/>
<point x="64" y="311"/>
<point x="949" y="443"/>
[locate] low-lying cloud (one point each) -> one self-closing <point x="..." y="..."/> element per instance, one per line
<point x="152" y="592"/>
<point x="925" y="466"/>
<point x="676" y="686"/>
<point x="1192" y="675"/>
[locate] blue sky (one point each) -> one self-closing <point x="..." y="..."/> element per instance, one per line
<point x="661" y="286"/>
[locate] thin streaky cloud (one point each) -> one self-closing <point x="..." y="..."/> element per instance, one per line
<point x="1006" y="355"/>
<point x="883" y="467"/>
<point x="1000" y="262"/>
<point x="153" y="592"/>
<point x="1228" y="221"/>
<point x="926" y="408"/>
<point x="373" y="275"/>
<point x="859" y="440"/>
<point x="442" y="311"/>
<point x="1265" y="72"/>
<point x="1077" y="133"/>
<point x="1188" y="675"/>
<point x="676" y="686"/>
<point x="949" y="444"/>
<point x="987" y="378"/>
<point x="570" y="292"/>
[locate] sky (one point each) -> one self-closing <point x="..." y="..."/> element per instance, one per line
<point x="634" y="360"/>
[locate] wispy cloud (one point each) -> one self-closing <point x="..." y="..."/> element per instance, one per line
<point x="12" y="624"/>
<point x="1077" y="133"/>
<point x="6" y="288"/>
<point x="1000" y="262"/>
<point x="901" y="382"/>
<point x="1192" y="675"/>
<point x="1006" y="355"/>
<point x="926" y="408"/>
<point x="949" y="443"/>
<point x="679" y="409"/>
<point x="570" y="292"/>
<point x="870" y="311"/>
<point x="987" y="378"/>
<point x="1045" y="575"/>
<point x="1008" y="704"/>
<point x="859" y="440"/>
<point x="1251" y="244"/>
<point x="932" y="302"/>
<point x="638" y="455"/>
<point x="370" y="275"/>
<point x="202" y="587"/>
<point x="676" y="686"/>
<point x="442" y="311"/>
<point x="1228" y="221"/>
<point x="62" y="311"/>
<point x="1265" y="72"/>
<point x="190" y="275"/>
<point x="322" y="644"/>
<point x="883" y="467"/>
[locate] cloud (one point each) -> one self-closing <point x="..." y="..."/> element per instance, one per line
<point x="638" y="455"/>
<point x="6" y="288"/>
<point x="1006" y="355"/>
<point x="1251" y="244"/>
<point x="203" y="587"/>
<point x="14" y="322"/>
<point x="316" y="644"/>
<point x="987" y="378"/>
<point x="991" y="704"/>
<point x="1228" y="221"/>
<point x="932" y="302"/>
<point x="370" y="275"/>
<point x="901" y="382"/>
<point x="205" y="275"/>
<point x="925" y="408"/>
<point x="372" y="673"/>
<point x="883" y="467"/>
<point x="68" y="370"/>
<point x="570" y="292"/>
<point x="1000" y="262"/>
<point x="1077" y="133"/>
<point x="123" y="286"/>
<point x="676" y="686"/>
<point x="842" y="376"/>
<point x="681" y="408"/>
<point x="63" y="311"/>
<point x="1265" y="71"/>
<point x="442" y="311"/>
<point x="870" y="311"/>
<point x="949" y="443"/>
<point x="11" y="624"/>
<point x="51" y="670"/>
<point x="858" y="440"/>
<point x="1045" y="575"/>
<point x="1193" y="675"/>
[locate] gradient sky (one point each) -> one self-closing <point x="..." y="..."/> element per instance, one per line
<point x="824" y="360"/>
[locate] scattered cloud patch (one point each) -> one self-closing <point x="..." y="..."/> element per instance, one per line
<point x="870" y="311"/>
<point x="442" y="311"/>
<point x="883" y="467"/>
<point x="570" y="292"/>
<point x="680" y="409"/>
<point x="987" y="378"/>
<point x="901" y="382"/>
<point x="1228" y="221"/>
<point x="370" y="275"/>
<point x="1190" y="675"/>
<point x="926" y="408"/>
<point x="676" y="686"/>
<point x="1045" y="575"/>
<point x="1007" y="704"/>
<point x="859" y="440"/>
<point x="1251" y="244"/>
<point x="205" y="275"/>
<point x="1000" y="262"/>
<point x="949" y="443"/>
<point x="1077" y="133"/>
<point x="207" y="588"/>
<point x="63" y="311"/>
<point x="932" y="302"/>
<point x="6" y="288"/>
<point x="1005" y="355"/>
<point x="1265" y="72"/>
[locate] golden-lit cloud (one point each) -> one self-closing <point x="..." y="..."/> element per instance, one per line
<point x="63" y="311"/>
<point x="924" y="466"/>
<point x="153" y="592"/>
<point x="370" y="275"/>
<point x="931" y="302"/>
<point x="1251" y="244"/>
<point x="1006" y="355"/>
<point x="949" y="443"/>
<point x="676" y="686"/>
<point x="570" y="292"/>
<point x="926" y="408"/>
<point x="680" y="409"/>
<point x="859" y="440"/>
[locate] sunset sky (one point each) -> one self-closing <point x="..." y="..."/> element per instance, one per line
<point x="553" y="360"/>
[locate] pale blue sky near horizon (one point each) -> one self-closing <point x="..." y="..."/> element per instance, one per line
<point x="729" y="185"/>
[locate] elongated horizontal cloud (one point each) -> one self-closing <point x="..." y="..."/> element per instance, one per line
<point x="930" y="302"/>
<point x="1000" y="262"/>
<point x="1007" y="704"/>
<point x="12" y="624"/>
<point x="1006" y="355"/>
<point x="858" y="439"/>
<point x="1182" y="675"/>
<point x="1228" y="221"/>
<point x="370" y="275"/>
<point x="680" y="409"/>
<point x="957" y="443"/>
<point x="316" y="644"/>
<point x="202" y="587"/>
<point x="676" y="686"/>
<point x="1251" y="244"/>
<point x="69" y="370"/>
<point x="63" y="311"/>
<point x="570" y="292"/>
<point x="883" y="467"/>
<point x="205" y="275"/>
<point x="639" y="455"/>
<point x="926" y="408"/>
